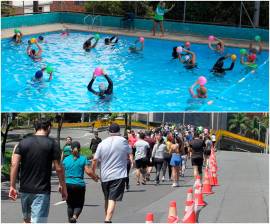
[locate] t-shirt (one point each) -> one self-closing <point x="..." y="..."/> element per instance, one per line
<point x="67" y="150"/>
<point x="151" y="142"/>
<point x="112" y="153"/>
<point x="197" y="146"/>
<point x="94" y="144"/>
<point x="132" y="140"/>
<point x="37" y="153"/>
<point x="208" y="144"/>
<point x="158" y="151"/>
<point x="74" y="169"/>
<point x="213" y="138"/>
<point x="141" y="149"/>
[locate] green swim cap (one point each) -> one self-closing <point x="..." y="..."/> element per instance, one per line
<point x="257" y="38"/>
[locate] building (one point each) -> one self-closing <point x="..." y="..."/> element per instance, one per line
<point x="68" y="6"/>
<point x="26" y="7"/>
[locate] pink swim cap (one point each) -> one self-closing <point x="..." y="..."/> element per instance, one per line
<point x="141" y="39"/>
<point x="187" y="44"/>
<point x="202" y="80"/>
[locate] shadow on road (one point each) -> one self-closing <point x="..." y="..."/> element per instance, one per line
<point x="91" y="205"/>
<point x="131" y="191"/>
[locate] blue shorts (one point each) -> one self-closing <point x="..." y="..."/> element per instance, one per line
<point x="176" y="160"/>
<point x="35" y="207"/>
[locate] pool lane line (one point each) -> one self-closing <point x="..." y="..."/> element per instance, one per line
<point x="232" y="86"/>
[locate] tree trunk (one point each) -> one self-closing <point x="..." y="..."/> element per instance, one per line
<point x="129" y="120"/>
<point x="126" y="124"/>
<point x="59" y="118"/>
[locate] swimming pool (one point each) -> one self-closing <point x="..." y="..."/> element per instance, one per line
<point x="148" y="81"/>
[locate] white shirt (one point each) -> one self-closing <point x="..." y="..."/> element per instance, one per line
<point x="112" y="153"/>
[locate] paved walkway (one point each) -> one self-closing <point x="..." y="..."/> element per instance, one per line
<point x="243" y="196"/>
<point x="115" y="30"/>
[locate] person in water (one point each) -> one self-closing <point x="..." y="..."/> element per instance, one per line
<point x="201" y="91"/>
<point x="255" y="49"/>
<point x="218" y="66"/>
<point x="250" y="59"/>
<point x="32" y="53"/>
<point x="39" y="75"/>
<point x="219" y="46"/>
<point x="189" y="60"/>
<point x="103" y="90"/>
<point x="134" y="49"/>
<point x="40" y="39"/>
<point x="17" y="37"/>
<point x="111" y="41"/>
<point x="87" y="46"/>
<point x="176" y="55"/>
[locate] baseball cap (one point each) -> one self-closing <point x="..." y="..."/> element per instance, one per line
<point x="114" y="128"/>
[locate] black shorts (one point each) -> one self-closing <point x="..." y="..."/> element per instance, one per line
<point x="114" y="189"/>
<point x="141" y="163"/>
<point x="197" y="161"/>
<point x="158" y="21"/>
<point x="207" y="152"/>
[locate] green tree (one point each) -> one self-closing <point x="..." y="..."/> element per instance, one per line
<point x="104" y="7"/>
<point x="239" y="123"/>
<point x="253" y="128"/>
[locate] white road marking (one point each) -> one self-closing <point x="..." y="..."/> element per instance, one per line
<point x="60" y="203"/>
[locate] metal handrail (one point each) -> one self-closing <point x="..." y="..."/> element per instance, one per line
<point x="93" y="19"/>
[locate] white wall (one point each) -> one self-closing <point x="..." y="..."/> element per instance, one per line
<point x="30" y="3"/>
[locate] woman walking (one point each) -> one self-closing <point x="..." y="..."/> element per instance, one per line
<point x="158" y="155"/>
<point x="75" y="165"/>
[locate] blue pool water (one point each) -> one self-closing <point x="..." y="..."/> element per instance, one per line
<point x="148" y="81"/>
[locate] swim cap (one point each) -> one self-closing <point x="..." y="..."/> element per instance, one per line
<point x="41" y="38"/>
<point x="187" y="44"/>
<point x="39" y="74"/>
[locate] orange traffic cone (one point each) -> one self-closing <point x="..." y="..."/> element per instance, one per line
<point x="197" y="182"/>
<point x="149" y="217"/>
<point x="190" y="216"/>
<point x="207" y="189"/>
<point x="199" y="197"/>
<point x="172" y="216"/>
<point x="189" y="202"/>
<point x="211" y="180"/>
<point x="215" y="179"/>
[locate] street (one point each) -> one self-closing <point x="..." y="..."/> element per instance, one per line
<point x="243" y="196"/>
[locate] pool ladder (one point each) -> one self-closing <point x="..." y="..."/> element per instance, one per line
<point x="94" y="19"/>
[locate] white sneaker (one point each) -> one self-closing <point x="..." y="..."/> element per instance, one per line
<point x="163" y="179"/>
<point x="174" y="185"/>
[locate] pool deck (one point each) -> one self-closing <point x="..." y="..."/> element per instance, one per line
<point x="6" y="33"/>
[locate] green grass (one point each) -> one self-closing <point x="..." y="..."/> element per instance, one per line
<point x="7" y="161"/>
<point x="86" y="152"/>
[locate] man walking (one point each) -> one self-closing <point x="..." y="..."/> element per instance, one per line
<point x="94" y="143"/>
<point x="112" y="153"/>
<point x="36" y="154"/>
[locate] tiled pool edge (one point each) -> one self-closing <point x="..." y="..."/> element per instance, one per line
<point x="7" y="33"/>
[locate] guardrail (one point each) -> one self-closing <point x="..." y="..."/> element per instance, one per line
<point x="93" y="20"/>
<point x="221" y="133"/>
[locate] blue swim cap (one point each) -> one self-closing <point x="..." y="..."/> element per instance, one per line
<point x="38" y="74"/>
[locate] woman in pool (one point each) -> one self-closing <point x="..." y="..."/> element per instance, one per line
<point x="111" y="41"/>
<point x="32" y="53"/>
<point x="175" y="54"/>
<point x="159" y="17"/>
<point x="201" y="91"/>
<point x="135" y="49"/>
<point x="189" y="60"/>
<point x="250" y="60"/>
<point x="255" y="49"/>
<point x="218" y="67"/>
<point x="103" y="90"/>
<point x="39" y="75"/>
<point x="219" y="46"/>
<point x="40" y="39"/>
<point x="17" y="37"/>
<point x="87" y="46"/>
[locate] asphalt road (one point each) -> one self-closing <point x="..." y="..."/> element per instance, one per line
<point x="243" y="196"/>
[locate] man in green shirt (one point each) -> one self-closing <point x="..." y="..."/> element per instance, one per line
<point x="159" y="17"/>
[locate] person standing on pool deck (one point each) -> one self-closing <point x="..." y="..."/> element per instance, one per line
<point x="36" y="154"/>
<point x="159" y="17"/>
<point x="36" y="56"/>
<point x="112" y="153"/>
<point x="103" y="91"/>
<point x="75" y="165"/>
<point x="197" y="145"/>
